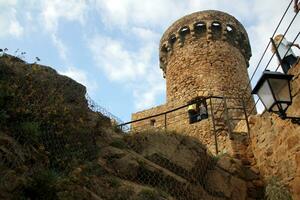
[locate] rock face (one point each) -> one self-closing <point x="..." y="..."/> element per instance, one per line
<point x="45" y="125"/>
<point x="52" y="146"/>
<point x="186" y="162"/>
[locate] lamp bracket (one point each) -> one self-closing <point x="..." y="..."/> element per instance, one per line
<point x="294" y="120"/>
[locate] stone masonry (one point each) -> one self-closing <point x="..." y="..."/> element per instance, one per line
<point x="202" y="54"/>
<point x="275" y="143"/>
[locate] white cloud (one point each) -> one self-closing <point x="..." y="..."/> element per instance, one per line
<point x="15" y="28"/>
<point x="52" y="12"/>
<point x="160" y="14"/>
<point x="61" y="47"/>
<point x="81" y="77"/>
<point x="55" y="10"/>
<point x="146" y="95"/>
<point x="118" y="63"/>
<point x="145" y="34"/>
<point x="134" y="68"/>
<point x="141" y="13"/>
<point x="9" y="24"/>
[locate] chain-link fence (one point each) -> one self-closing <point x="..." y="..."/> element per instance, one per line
<point x="96" y="108"/>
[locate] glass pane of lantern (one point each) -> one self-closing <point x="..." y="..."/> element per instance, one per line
<point x="284" y="106"/>
<point x="280" y="89"/>
<point x="265" y="95"/>
<point x="276" y="108"/>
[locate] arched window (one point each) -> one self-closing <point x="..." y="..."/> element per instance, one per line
<point x="231" y="34"/>
<point x="216" y="29"/>
<point x="172" y="39"/>
<point x="184" y="31"/>
<point x="200" y="28"/>
<point x="229" y="29"/>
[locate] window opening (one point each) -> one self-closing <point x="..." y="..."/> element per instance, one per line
<point x="197" y="110"/>
<point x="152" y="122"/>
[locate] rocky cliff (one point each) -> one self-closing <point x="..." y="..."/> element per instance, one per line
<point x="52" y="146"/>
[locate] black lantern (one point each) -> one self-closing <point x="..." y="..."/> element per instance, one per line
<point x="274" y="90"/>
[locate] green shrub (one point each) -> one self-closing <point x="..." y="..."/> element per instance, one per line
<point x="42" y="186"/>
<point x="3" y="117"/>
<point x="276" y="191"/>
<point x="119" y="143"/>
<point x="124" y="193"/>
<point x="30" y="131"/>
<point x="148" y="194"/>
<point x="93" y="168"/>
<point x="114" y="182"/>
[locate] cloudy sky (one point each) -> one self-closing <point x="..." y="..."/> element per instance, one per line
<point x="111" y="46"/>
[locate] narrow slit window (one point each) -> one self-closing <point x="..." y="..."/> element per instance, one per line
<point x="152" y="122"/>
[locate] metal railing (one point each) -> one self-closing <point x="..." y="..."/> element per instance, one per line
<point x="224" y="113"/>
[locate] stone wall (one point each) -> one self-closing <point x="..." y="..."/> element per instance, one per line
<point x="275" y="143"/>
<point x="203" y="130"/>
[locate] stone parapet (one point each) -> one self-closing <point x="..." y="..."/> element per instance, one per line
<point x="204" y="26"/>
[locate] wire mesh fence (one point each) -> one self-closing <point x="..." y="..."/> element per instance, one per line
<point x="180" y="166"/>
<point x="161" y="170"/>
<point x="99" y="109"/>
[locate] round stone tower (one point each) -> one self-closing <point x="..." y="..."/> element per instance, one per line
<point x="205" y="53"/>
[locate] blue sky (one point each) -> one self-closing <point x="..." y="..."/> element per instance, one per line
<point x="111" y="46"/>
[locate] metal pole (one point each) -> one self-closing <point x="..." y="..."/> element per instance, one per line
<point x="165" y="122"/>
<point x="227" y="119"/>
<point x="213" y="121"/>
<point x="246" y="117"/>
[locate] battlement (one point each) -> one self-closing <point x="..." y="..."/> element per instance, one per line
<point x="203" y="27"/>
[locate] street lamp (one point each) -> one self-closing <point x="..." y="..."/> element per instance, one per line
<point x="274" y="90"/>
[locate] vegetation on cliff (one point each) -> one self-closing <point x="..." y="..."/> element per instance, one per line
<point x="52" y="146"/>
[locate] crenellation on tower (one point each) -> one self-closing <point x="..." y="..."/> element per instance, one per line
<point x="207" y="26"/>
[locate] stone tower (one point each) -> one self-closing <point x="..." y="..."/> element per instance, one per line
<point x="204" y="53"/>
